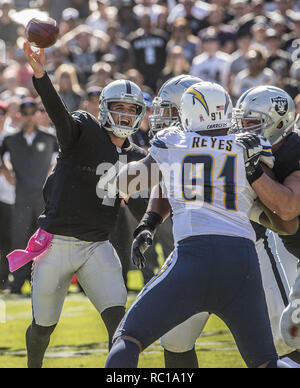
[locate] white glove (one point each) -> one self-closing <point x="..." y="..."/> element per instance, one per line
<point x="290" y="318"/>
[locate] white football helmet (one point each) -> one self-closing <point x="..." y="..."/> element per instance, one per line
<point x="205" y="106"/>
<point x="167" y="103"/>
<point x="124" y="91"/>
<point x="271" y="109"/>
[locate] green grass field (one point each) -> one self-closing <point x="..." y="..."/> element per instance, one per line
<point x="80" y="340"/>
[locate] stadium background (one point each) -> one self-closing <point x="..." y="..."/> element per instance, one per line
<point x="237" y="43"/>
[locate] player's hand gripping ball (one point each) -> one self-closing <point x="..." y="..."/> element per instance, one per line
<point x="42" y="33"/>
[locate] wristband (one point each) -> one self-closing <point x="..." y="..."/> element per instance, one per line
<point x="150" y="221"/>
<point x="256" y="174"/>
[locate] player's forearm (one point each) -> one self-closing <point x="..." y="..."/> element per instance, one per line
<point x="158" y="204"/>
<point x="276" y="224"/>
<point x="276" y="197"/>
<point x="66" y="129"/>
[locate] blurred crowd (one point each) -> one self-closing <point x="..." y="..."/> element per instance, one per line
<point x="237" y="43"/>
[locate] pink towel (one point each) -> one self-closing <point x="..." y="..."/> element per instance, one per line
<point x="37" y="245"/>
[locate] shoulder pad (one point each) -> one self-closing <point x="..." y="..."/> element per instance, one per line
<point x="167" y="137"/>
<point x="81" y="115"/>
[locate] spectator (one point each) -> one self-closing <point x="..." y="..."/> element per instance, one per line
<point x="69" y="20"/>
<point x="182" y="37"/>
<point x="91" y="102"/>
<point x="8" y="28"/>
<point x="55" y="8"/>
<point x="259" y="32"/>
<point x="238" y="58"/>
<point x="13" y="118"/>
<point x="31" y="155"/>
<point x="255" y="75"/>
<point x="258" y="7"/>
<point x="22" y="4"/>
<point x="281" y="8"/>
<point x="162" y="21"/>
<point x="83" y="8"/>
<point x="176" y="64"/>
<point x="194" y="11"/>
<point x="126" y="17"/>
<point x="85" y="47"/>
<point x="104" y="14"/>
<point x="295" y="71"/>
<point x="68" y="87"/>
<point x="101" y="73"/>
<point x="278" y="23"/>
<point x="273" y="42"/>
<point x="283" y="78"/>
<point x="7" y="199"/>
<point x="56" y="57"/>
<point x="239" y="8"/>
<point x="42" y="119"/>
<point x="212" y="65"/>
<point x="226" y="34"/>
<point x="148" y="5"/>
<point x="148" y="47"/>
<point x="118" y="46"/>
<point x="111" y="59"/>
<point x="291" y="41"/>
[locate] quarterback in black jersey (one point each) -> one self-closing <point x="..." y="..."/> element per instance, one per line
<point x="81" y="205"/>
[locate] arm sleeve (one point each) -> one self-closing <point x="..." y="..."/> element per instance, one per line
<point x="67" y="126"/>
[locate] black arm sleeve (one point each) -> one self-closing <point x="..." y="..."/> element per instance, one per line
<point x="67" y="127"/>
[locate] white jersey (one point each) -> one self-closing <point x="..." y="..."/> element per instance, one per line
<point x="206" y="183"/>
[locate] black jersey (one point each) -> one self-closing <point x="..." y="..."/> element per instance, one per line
<point x="73" y="205"/>
<point x="287" y="160"/>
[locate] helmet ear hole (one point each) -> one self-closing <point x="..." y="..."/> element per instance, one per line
<point x="280" y="125"/>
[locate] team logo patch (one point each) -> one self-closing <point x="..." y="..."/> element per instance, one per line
<point x="280" y="104"/>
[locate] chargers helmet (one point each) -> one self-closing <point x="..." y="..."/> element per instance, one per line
<point x="206" y="106"/>
<point x="271" y="109"/>
<point x="124" y="91"/>
<point x="167" y="103"/>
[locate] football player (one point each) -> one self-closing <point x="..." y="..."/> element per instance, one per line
<point x="271" y="112"/>
<point x="209" y="270"/>
<point x="179" y="344"/>
<point x="79" y="213"/>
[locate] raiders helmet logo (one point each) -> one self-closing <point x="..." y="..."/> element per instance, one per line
<point x="280" y="104"/>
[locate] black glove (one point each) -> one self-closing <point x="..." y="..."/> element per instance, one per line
<point x="252" y="152"/>
<point x="143" y="237"/>
<point x="139" y="246"/>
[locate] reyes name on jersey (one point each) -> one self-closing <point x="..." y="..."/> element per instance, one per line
<point x="206" y="183"/>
